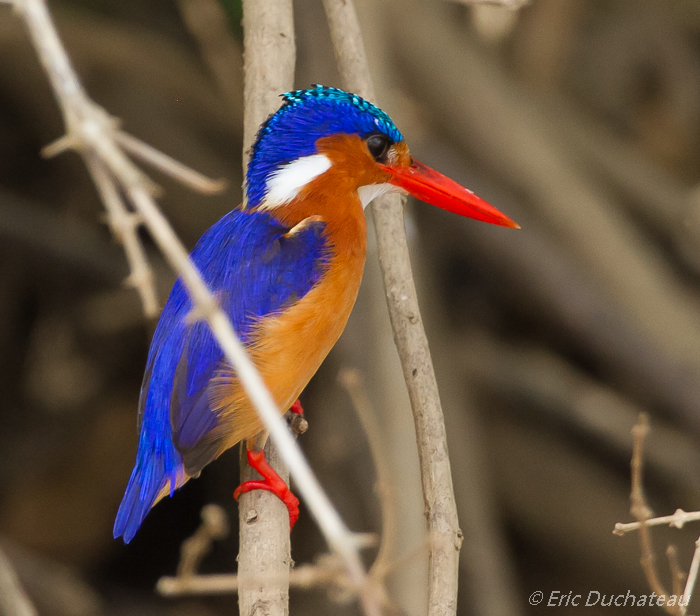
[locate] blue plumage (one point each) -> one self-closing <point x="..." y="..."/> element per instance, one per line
<point x="305" y="117"/>
<point x="255" y="270"/>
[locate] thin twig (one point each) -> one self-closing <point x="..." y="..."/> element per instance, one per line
<point x="412" y="344"/>
<point x="640" y="510"/>
<point x="214" y="526"/>
<point x="692" y="576"/>
<point x="677" y="575"/>
<point x="169" y="166"/>
<point x="329" y="572"/>
<point x="383" y="564"/>
<point x="124" y="225"/>
<point x="90" y="130"/>
<point x="677" y="520"/>
<point x="352" y="382"/>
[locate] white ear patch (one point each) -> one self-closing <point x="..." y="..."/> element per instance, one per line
<point x="372" y="191"/>
<point x="286" y="182"/>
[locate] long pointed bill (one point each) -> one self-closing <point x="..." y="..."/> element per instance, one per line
<point x="432" y="187"/>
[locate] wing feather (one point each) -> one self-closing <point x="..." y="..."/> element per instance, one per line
<point x="256" y="267"/>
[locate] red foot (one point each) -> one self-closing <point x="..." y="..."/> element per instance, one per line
<point x="296" y="408"/>
<point x="272" y="482"/>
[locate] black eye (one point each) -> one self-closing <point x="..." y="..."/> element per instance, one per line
<point x="378" y="146"/>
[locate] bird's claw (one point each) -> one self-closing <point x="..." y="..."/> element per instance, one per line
<point x="271" y="482"/>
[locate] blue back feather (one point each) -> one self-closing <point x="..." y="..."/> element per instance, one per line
<point x="305" y="117"/>
<point x="254" y="270"/>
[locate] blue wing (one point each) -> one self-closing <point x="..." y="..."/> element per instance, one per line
<point x="255" y="267"/>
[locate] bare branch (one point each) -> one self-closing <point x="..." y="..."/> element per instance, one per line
<point x="412" y="344"/>
<point x="169" y="166"/>
<point x="639" y="508"/>
<point x="677" y="575"/>
<point x="329" y="572"/>
<point x="193" y="550"/>
<point x="677" y="520"/>
<point x="641" y="511"/>
<point x="264" y="554"/>
<point x="124" y="226"/>
<point x="692" y="576"/>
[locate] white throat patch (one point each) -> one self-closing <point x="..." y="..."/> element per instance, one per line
<point x="286" y="182"/>
<point x="372" y="191"/>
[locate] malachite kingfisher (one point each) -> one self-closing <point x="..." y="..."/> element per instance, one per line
<point x="286" y="269"/>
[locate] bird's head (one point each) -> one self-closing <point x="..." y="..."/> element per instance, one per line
<point x="325" y="136"/>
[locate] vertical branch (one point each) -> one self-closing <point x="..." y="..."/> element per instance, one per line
<point x="640" y="510"/>
<point x="269" y="58"/>
<point x="692" y="576"/>
<point x="410" y="339"/>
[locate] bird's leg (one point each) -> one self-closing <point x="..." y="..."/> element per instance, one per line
<point x="297" y="423"/>
<point x="271" y="482"/>
<point x="296" y="408"/>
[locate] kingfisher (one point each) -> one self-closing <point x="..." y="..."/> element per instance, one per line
<point x="285" y="267"/>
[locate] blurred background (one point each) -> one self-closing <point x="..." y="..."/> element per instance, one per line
<point x="579" y="119"/>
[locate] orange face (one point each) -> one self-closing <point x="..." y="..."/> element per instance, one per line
<point x="352" y="164"/>
<point x="357" y="162"/>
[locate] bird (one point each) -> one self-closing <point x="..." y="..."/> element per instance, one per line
<point x="285" y="267"/>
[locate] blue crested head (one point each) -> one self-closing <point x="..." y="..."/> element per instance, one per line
<point x="305" y="117"/>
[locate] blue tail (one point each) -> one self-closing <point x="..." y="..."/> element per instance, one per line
<point x="151" y="474"/>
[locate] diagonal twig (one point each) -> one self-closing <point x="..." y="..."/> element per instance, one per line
<point x="91" y="131"/>
<point x="169" y="166"/>
<point x="124" y="225"/>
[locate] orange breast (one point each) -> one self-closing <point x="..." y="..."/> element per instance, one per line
<point x="289" y="348"/>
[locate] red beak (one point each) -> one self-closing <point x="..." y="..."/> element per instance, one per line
<point x="432" y="187"/>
